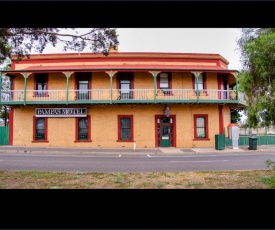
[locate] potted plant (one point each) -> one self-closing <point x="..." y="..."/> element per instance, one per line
<point x="233" y="95"/>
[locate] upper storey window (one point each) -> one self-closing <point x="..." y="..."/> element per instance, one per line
<point x="201" y="82"/>
<point x="41" y="84"/>
<point x="164" y="83"/>
<point x="126" y="85"/>
<point x="83" y="85"/>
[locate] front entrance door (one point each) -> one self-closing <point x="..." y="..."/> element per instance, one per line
<point x="165" y="132"/>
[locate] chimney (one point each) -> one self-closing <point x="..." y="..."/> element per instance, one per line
<point x="113" y="49"/>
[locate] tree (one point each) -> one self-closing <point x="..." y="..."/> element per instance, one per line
<point x="235" y="115"/>
<point x="257" y="79"/>
<point x="4" y="114"/>
<point x="21" y="41"/>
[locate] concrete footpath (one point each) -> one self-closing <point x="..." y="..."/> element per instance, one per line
<point x="128" y="151"/>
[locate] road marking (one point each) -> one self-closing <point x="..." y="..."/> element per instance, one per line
<point x="148" y="155"/>
<point x="198" y="161"/>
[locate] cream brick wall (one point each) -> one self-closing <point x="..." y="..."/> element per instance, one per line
<point x="211" y="81"/>
<point x="143" y="80"/>
<point x="57" y="81"/>
<point x="23" y="125"/>
<point x="227" y="119"/>
<point x="182" y="80"/>
<point x="104" y="126"/>
<point x="101" y="81"/>
<point x="19" y="82"/>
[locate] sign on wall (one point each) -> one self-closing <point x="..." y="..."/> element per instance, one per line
<point x="61" y="112"/>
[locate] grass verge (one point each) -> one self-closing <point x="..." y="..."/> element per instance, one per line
<point x="254" y="179"/>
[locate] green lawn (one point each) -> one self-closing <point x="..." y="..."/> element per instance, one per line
<point x="254" y="179"/>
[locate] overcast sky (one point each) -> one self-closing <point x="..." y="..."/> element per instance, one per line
<point x="221" y="41"/>
<point x="208" y="40"/>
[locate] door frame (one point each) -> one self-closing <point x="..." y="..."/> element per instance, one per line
<point x="174" y="128"/>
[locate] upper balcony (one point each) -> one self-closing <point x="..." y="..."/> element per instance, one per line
<point x="115" y="96"/>
<point x="122" y="78"/>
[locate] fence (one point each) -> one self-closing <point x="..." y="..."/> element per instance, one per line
<point x="257" y="131"/>
<point x="4" y="135"/>
<point x="262" y="140"/>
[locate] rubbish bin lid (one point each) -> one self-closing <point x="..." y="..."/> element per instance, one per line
<point x="253" y="137"/>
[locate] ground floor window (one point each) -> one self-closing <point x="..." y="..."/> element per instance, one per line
<point x="201" y="126"/>
<point x="125" y="128"/>
<point x="83" y="130"/>
<point x="40" y="129"/>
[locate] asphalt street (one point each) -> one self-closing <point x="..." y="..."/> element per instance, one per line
<point x="139" y="163"/>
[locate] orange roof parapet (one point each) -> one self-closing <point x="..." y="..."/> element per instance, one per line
<point x="120" y="60"/>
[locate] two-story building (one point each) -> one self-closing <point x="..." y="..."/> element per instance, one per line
<point x="90" y="100"/>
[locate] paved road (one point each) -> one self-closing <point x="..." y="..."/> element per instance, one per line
<point x="140" y="163"/>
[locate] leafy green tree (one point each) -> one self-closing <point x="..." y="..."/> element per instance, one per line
<point x="21" y="41"/>
<point x="4" y="114"/>
<point x="257" y="79"/>
<point x="5" y="86"/>
<point x="235" y="115"/>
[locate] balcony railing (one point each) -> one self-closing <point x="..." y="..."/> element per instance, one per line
<point x="120" y="96"/>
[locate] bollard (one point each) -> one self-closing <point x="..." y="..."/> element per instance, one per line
<point x="134" y="146"/>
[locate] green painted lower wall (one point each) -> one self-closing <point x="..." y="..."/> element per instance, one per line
<point x="4" y="135"/>
<point x="244" y="140"/>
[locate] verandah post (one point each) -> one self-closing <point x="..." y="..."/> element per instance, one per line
<point x="111" y="86"/>
<point x="25" y="86"/>
<point x="155" y="85"/>
<point x="237" y="87"/>
<point x="197" y="84"/>
<point x="67" y="86"/>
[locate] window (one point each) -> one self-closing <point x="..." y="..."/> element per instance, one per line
<point x="83" y="130"/>
<point x="201" y="82"/>
<point x="40" y="129"/>
<point x="125" y="128"/>
<point x="83" y="85"/>
<point x="41" y="84"/>
<point x="164" y="83"/>
<point x="125" y="84"/>
<point x="201" y="127"/>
